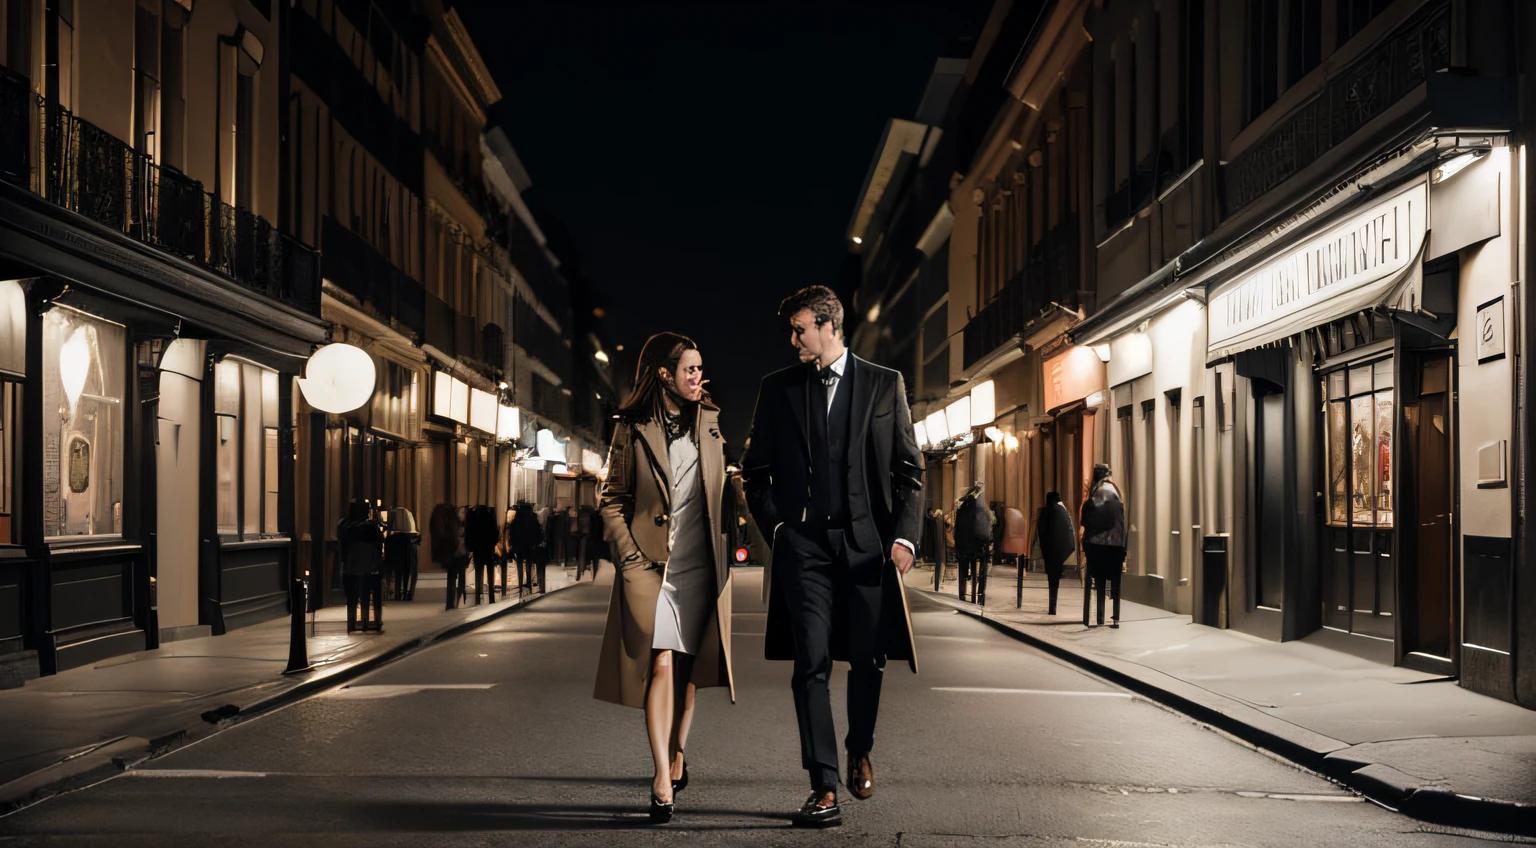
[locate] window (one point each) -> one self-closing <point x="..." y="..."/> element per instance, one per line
<point x="1359" y="423"/>
<point x="173" y="95"/>
<point x="1263" y="58"/>
<point x="395" y="401"/>
<point x="1192" y="68"/>
<point x="245" y="413"/>
<point x="1304" y="39"/>
<point x="83" y="379"/>
<point x="13" y="361"/>
<point x="1355" y="14"/>
<point x="146" y="77"/>
<point x="60" y="68"/>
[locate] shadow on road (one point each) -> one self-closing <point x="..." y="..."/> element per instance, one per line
<point x="427" y="817"/>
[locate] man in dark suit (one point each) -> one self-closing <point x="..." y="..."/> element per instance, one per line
<point x="833" y="472"/>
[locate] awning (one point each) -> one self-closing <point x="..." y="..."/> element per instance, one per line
<point x="1399" y="292"/>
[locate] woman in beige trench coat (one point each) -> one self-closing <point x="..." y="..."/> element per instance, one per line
<point x="669" y="621"/>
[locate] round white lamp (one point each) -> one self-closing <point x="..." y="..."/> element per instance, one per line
<point x="338" y="378"/>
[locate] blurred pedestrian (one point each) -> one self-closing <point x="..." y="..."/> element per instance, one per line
<point x="448" y="549"/>
<point x="526" y="534"/>
<point x="1104" y="535"/>
<point x="1057" y="540"/>
<point x="480" y="540"/>
<point x="361" y="549"/>
<point x="973" y="540"/>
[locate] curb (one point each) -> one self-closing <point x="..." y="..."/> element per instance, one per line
<point x="115" y="756"/>
<point x="1381" y="784"/>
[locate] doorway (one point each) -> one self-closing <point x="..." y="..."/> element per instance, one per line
<point x="1271" y="505"/>
<point x="1428" y="476"/>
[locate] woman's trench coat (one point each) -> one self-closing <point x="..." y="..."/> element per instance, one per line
<point x="635" y="508"/>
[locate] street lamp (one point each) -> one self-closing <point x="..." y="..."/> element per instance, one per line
<point x="338" y="378"/>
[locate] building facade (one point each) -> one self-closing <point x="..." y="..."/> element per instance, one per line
<point x="153" y="317"/>
<point x="1293" y="325"/>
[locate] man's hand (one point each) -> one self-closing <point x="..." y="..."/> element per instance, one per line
<point x="902" y="557"/>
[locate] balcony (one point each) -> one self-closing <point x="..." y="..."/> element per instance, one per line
<point x="80" y="167"/>
<point x="1049" y="276"/>
<point x="351" y="263"/>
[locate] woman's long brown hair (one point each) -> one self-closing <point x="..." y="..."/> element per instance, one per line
<point x="663" y="350"/>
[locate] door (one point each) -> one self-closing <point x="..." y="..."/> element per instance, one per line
<point x="1359" y="571"/>
<point x="1429" y="480"/>
<point x="1271" y="505"/>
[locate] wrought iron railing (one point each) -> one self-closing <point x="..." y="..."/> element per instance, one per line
<point x="1049" y="276"/>
<point x="353" y="264"/>
<point x="76" y="165"/>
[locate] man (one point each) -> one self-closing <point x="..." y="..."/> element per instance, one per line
<point x="832" y="469"/>
<point x="973" y="536"/>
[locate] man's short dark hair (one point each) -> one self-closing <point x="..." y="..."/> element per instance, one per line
<point x="822" y="303"/>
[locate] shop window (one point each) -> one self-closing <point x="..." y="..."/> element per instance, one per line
<point x="83" y="381"/>
<point x="1359" y="426"/>
<point x="245" y="413"/>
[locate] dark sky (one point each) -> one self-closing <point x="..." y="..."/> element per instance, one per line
<point x="706" y="157"/>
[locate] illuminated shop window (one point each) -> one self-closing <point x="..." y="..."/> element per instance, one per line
<point x="83" y="379"/>
<point x="1359" y="450"/>
<point x="246" y="444"/>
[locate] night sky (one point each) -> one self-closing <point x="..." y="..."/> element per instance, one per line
<point x="706" y="157"/>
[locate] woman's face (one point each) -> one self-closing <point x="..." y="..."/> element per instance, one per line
<point x="688" y="383"/>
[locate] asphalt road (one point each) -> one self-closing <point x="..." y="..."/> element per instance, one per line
<point x="494" y="739"/>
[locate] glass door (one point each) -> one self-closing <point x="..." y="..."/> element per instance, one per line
<point x="1359" y="579"/>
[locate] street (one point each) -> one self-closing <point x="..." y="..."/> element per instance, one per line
<point x="493" y="738"/>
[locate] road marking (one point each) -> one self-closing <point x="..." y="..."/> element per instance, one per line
<point x="211" y="774"/>
<point x="384" y="690"/>
<point x="1326" y="799"/>
<point x="977" y="690"/>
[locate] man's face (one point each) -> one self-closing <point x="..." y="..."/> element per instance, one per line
<point x="809" y="340"/>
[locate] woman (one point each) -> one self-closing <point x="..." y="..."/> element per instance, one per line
<point x="669" y="622"/>
<point x="1103" y="522"/>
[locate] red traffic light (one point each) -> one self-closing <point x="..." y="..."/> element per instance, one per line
<point x="741" y="554"/>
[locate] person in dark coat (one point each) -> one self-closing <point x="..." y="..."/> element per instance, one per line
<point x="1058" y="539"/>
<point x="361" y="550"/>
<point x="448" y="548"/>
<point x="480" y="540"/>
<point x="973" y="540"/>
<point x="1104" y="536"/>
<point x="527" y="534"/>
<point x="834" y="475"/>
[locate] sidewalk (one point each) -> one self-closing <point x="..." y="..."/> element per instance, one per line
<point x="1414" y="742"/>
<point x="80" y="726"/>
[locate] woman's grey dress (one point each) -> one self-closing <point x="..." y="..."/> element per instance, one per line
<point x="687" y="597"/>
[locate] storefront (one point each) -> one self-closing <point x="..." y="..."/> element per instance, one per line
<point x="1368" y="503"/>
<point x="1072" y="390"/>
<point x="143" y="473"/>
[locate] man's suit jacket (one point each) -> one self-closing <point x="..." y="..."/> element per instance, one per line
<point x="885" y="483"/>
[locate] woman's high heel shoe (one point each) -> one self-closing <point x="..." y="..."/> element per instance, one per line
<point x="660" y="813"/>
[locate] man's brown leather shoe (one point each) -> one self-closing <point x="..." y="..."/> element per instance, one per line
<point x="861" y="776"/>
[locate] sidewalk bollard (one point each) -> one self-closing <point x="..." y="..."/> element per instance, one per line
<point x="298" y="601"/>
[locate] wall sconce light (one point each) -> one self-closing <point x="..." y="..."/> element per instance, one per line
<point x="994" y="435"/>
<point x="1102" y="351"/>
<point x="1011" y="442"/>
<point x="1095" y="400"/>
